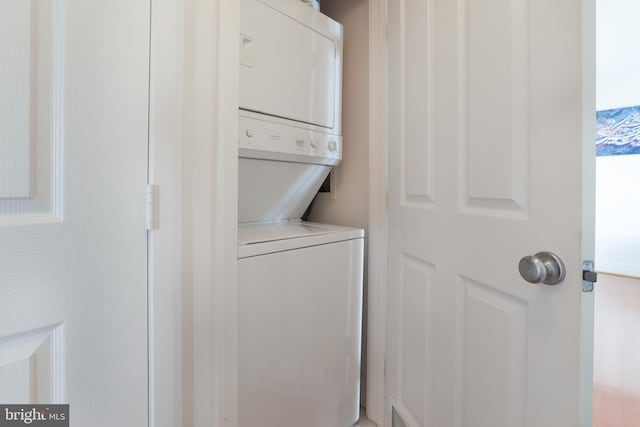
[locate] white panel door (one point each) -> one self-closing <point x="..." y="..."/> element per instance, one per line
<point x="488" y="106"/>
<point x="73" y="167"/>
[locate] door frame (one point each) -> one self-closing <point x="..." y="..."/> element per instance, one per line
<point x="585" y="409"/>
<point x="377" y="407"/>
<point x="192" y="254"/>
<point x="192" y="323"/>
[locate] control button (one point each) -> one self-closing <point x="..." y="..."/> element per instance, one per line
<point x="249" y="133"/>
<point x="314" y="144"/>
<point x="300" y="142"/>
<point x="333" y="146"/>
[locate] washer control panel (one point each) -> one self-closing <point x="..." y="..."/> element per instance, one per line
<point x="261" y="135"/>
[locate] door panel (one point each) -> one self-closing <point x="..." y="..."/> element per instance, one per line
<point x="73" y="260"/>
<point x="486" y="113"/>
<point x="31" y="82"/>
<point x="415" y="89"/>
<point x="30" y="366"/>
<point x="493" y="107"/>
<point x="16" y="49"/>
<point x="416" y="318"/>
<point x="491" y="330"/>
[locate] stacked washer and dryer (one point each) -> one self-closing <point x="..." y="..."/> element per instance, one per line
<point x="300" y="283"/>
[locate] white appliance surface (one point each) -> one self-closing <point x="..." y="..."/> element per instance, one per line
<point x="290" y="62"/>
<point x="264" y="137"/>
<point x="290" y="107"/>
<point x="300" y="311"/>
<point x="300" y="283"/>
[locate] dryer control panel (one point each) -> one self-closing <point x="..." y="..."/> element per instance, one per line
<point x="265" y="139"/>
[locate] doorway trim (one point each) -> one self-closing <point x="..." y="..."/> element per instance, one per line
<point x="194" y="250"/>
<point x="192" y="263"/>
<point x="378" y="214"/>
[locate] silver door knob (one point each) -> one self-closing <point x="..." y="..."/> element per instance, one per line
<point x="543" y="267"/>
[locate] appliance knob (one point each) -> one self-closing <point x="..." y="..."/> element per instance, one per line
<point x="249" y="133"/>
<point x="333" y="146"/>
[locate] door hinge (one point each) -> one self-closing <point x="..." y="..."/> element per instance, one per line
<point x="152" y="192"/>
<point x="589" y="276"/>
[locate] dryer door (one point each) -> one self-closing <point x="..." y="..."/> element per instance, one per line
<point x="289" y="62"/>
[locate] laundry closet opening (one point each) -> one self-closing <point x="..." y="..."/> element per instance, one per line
<point x="301" y="265"/>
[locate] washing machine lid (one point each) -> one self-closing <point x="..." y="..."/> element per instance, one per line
<point x="262" y="238"/>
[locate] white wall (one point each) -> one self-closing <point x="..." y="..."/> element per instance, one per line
<point x="617" y="54"/>
<point x="618" y="85"/>
<point x="351" y="204"/>
<point x="618" y="215"/>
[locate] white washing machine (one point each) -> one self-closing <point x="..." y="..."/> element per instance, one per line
<point x="300" y="284"/>
<point x="300" y="293"/>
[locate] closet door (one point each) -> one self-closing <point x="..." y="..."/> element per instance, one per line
<point x="491" y="142"/>
<point x="74" y="78"/>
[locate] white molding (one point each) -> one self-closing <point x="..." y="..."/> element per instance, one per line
<point x="167" y="277"/>
<point x="58" y="366"/>
<point x="587" y="300"/>
<point x="59" y="19"/>
<point x="192" y="254"/>
<point x="225" y="234"/>
<point x="211" y="117"/>
<point x="376" y="349"/>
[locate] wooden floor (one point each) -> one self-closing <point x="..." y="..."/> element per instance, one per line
<point x="616" y="399"/>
